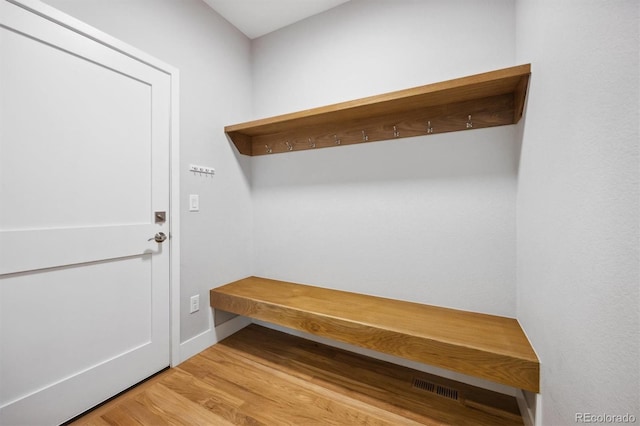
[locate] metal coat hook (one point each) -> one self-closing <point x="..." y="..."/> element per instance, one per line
<point x="289" y="146"/>
<point x="365" y="137"/>
<point x="312" y="144"/>
<point x="396" y="133"/>
<point x="337" y="141"/>
<point x="269" y="150"/>
<point x="469" y="122"/>
<point x="429" y="128"/>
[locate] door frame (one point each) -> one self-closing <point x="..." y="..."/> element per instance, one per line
<point x="54" y="15"/>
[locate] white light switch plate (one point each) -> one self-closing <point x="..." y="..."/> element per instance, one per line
<point x="194" y="303"/>
<point x="194" y="202"/>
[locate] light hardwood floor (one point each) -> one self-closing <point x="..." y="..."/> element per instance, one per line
<point x="260" y="376"/>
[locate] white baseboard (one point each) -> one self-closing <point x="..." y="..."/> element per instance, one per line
<point x="213" y="335"/>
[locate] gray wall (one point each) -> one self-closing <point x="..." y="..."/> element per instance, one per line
<point x="578" y="204"/>
<point x="429" y="219"/>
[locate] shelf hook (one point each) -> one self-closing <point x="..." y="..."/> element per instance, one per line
<point x="469" y="122"/>
<point x="365" y="137"/>
<point x="312" y="144"/>
<point x="269" y="150"/>
<point x="289" y="146"/>
<point x="429" y="128"/>
<point x="396" y="133"/>
<point x="338" y="141"/>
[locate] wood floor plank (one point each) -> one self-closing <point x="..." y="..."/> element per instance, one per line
<point x="376" y="382"/>
<point x="261" y="409"/>
<point x="139" y="410"/>
<point x="98" y="421"/>
<point x="224" y="403"/>
<point x="261" y="377"/>
<point x="323" y="396"/>
<point x="176" y="409"/>
<point x="281" y="394"/>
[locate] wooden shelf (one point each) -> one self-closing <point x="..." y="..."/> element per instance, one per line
<point x="490" y="99"/>
<point x="486" y="346"/>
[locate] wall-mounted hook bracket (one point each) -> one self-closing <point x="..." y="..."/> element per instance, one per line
<point x="202" y="170"/>
<point x="336" y="140"/>
<point x="396" y="132"/>
<point x="365" y="137"/>
<point x="312" y="144"/>
<point x="469" y="122"/>
<point x="429" y="128"/>
<point x="268" y="149"/>
<point x="289" y="146"/>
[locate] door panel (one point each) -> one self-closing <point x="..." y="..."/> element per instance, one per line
<point x="53" y="153"/>
<point x="82" y="332"/>
<point x="84" y="164"/>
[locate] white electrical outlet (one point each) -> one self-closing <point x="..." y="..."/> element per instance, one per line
<point x="195" y="303"/>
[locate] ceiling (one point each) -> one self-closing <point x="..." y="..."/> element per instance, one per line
<point x="256" y="18"/>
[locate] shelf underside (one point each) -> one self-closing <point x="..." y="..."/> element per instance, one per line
<point x="484" y="100"/>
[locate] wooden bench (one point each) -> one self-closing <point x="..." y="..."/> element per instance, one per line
<point x="485" y="346"/>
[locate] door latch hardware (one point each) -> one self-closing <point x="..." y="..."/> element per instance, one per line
<point x="161" y="217"/>
<point x="160" y="237"/>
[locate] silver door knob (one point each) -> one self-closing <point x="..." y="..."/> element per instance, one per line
<point x="159" y="237"/>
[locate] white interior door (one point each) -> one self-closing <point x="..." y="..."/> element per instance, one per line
<point x="84" y="164"/>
